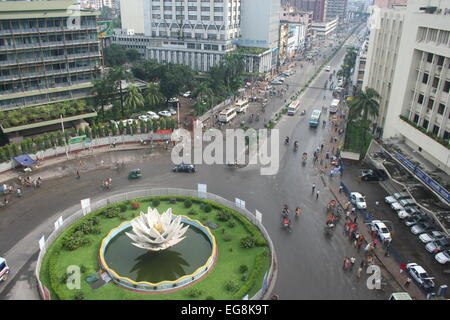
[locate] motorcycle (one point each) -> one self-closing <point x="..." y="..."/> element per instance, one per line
<point x="295" y="147"/>
<point x="286" y="141"/>
<point x="286" y="223"/>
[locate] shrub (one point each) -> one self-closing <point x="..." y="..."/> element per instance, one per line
<point x="122" y="207"/>
<point x="79" y="295"/>
<point x="112" y="212"/>
<point x="155" y="202"/>
<point x="135" y="205"/>
<point x="75" y="241"/>
<point x="223" y="215"/>
<point x="89" y="226"/>
<point x="227" y="238"/>
<point x="123" y="216"/>
<point x="187" y="203"/>
<point x="231" y="224"/>
<point x="83" y="268"/>
<point x="207" y="208"/>
<point x="231" y="286"/>
<point x="244" y="277"/>
<point x="194" y="293"/>
<point x="210" y="298"/>
<point x="243" y="268"/>
<point x="192" y="212"/>
<point x="247" y="242"/>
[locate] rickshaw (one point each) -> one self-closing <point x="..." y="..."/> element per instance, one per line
<point x="134" y="174"/>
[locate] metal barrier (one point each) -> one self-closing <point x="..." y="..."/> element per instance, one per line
<point x="73" y="216"/>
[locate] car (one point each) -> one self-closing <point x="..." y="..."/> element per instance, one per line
<point x="165" y="113"/>
<point x="281" y="79"/>
<point x="187" y="94"/>
<point x="431" y="236"/>
<point x="390" y="199"/>
<point x="380" y="228"/>
<point x="438" y="245"/>
<point x="443" y="257"/>
<point x="144" y="117"/>
<point x="420" y="276"/>
<point x="327" y="68"/>
<point x="152" y="115"/>
<point x="407" y="203"/>
<point x="396" y="206"/>
<point x="408" y="212"/>
<point x="414" y="219"/>
<point x="183" y="167"/>
<point x="172" y="111"/>
<point x="276" y="82"/>
<point x="174" y="99"/>
<point x="358" y="200"/>
<point x="422" y="227"/>
<point x="338" y="89"/>
<point x="401" y="195"/>
<point x="373" y="175"/>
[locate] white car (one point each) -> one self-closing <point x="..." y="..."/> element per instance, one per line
<point x="187" y="94"/>
<point x="431" y="236"/>
<point x="407" y="203"/>
<point x="359" y="200"/>
<point x="382" y="231"/>
<point x="401" y="195"/>
<point x="174" y="99"/>
<point x="327" y="68"/>
<point x="443" y="257"/>
<point x="152" y="115"/>
<point x="144" y="117"/>
<point x="390" y="199"/>
<point x="396" y="206"/>
<point x="172" y="111"/>
<point x="165" y="113"/>
<point x="407" y="212"/>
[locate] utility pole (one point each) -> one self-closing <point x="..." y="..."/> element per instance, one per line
<point x="64" y="137"/>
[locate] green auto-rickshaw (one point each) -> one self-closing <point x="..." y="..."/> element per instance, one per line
<point x="134" y="174"/>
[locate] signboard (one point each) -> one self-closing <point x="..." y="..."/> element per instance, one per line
<point x="258" y="216"/>
<point x="104" y="29"/>
<point x="240" y="203"/>
<point x="424" y="177"/>
<point x="202" y="191"/>
<point x="42" y="243"/>
<point x="164" y="131"/>
<point x="86" y="206"/>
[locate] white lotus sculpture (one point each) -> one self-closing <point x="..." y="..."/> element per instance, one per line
<point x="157" y="232"/>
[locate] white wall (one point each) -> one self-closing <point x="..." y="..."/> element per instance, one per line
<point x="132" y="14"/>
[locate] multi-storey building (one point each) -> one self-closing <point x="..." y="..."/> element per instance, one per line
<point x="197" y="33"/>
<point x="421" y="83"/>
<point x="317" y="7"/>
<point x="336" y="8"/>
<point x="360" y="66"/>
<point x="301" y="19"/>
<point x="386" y="29"/>
<point x="49" y="51"/>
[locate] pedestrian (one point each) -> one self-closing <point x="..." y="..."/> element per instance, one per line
<point x="408" y="282"/>
<point x="354" y="220"/>
<point x="345" y="263"/>
<point x="317" y="194"/>
<point x="352" y="262"/>
<point x="340" y="188"/>
<point x="78" y="175"/>
<point x="353" y="210"/>
<point x="313" y="187"/>
<point x="359" y="272"/>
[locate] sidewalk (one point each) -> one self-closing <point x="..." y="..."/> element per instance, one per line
<point x="390" y="265"/>
<point x="43" y="164"/>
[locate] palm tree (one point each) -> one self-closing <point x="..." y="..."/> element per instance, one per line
<point x="203" y="91"/>
<point x="102" y="90"/>
<point x="153" y="96"/>
<point x="116" y="75"/>
<point x="134" y="99"/>
<point x="364" y="105"/>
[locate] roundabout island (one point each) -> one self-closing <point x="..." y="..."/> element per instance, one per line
<point x="196" y="249"/>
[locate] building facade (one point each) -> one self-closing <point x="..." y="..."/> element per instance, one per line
<point x="422" y="83"/>
<point x="317" y="7"/>
<point x="336" y="8"/>
<point x="323" y="29"/>
<point x="47" y="53"/>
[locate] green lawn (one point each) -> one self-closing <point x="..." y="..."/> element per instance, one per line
<point x="230" y="257"/>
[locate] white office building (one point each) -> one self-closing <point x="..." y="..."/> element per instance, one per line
<point x="418" y="110"/>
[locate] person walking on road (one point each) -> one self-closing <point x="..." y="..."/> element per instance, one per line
<point x="313" y="187"/>
<point x="317" y="194"/>
<point x="78" y="175"/>
<point x="408" y="282"/>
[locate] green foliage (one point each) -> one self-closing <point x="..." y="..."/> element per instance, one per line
<point x="207" y="208"/>
<point x="187" y="203"/>
<point x="247" y="242"/>
<point x="231" y="224"/>
<point x="79" y="295"/>
<point x="112" y="212"/>
<point x="223" y="215"/>
<point x="227" y="238"/>
<point x="192" y="212"/>
<point x="194" y="293"/>
<point x="155" y="202"/>
<point x="83" y="268"/>
<point x="89" y="226"/>
<point x="243" y="268"/>
<point x="75" y="240"/>
<point x="231" y="286"/>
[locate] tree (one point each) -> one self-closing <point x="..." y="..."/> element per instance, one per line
<point x="116" y="55"/>
<point x="153" y="95"/>
<point x="174" y="79"/>
<point x="364" y="105"/>
<point x="102" y="91"/>
<point x="134" y="98"/>
<point x="116" y="75"/>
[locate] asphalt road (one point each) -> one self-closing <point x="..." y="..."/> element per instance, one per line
<point x="310" y="265"/>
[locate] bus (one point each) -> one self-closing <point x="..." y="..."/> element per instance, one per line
<point x="241" y="106"/>
<point x="227" y="115"/>
<point x="4" y="269"/>
<point x="315" y="118"/>
<point x="293" y="107"/>
<point x="334" y="105"/>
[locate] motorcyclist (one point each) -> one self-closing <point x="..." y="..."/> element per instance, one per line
<point x="298" y="212"/>
<point x="19" y="192"/>
<point x="286" y="140"/>
<point x="285" y="210"/>
<point x="295" y="145"/>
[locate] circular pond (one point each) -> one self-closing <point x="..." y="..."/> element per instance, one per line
<point x="168" y="265"/>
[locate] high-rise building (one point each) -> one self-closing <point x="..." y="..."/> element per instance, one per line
<point x="49" y="51"/>
<point x="317" y="7"/>
<point x="418" y="111"/>
<point x="336" y="8"/>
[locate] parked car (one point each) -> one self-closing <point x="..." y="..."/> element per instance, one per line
<point x="390" y="199"/>
<point x="187" y="94"/>
<point x="358" y="200"/>
<point x="438" y="245"/>
<point x="152" y="115"/>
<point x="327" y="68"/>
<point x="396" y="206"/>
<point x="420" y="276"/>
<point x="401" y="195"/>
<point x="165" y="113"/>
<point x="174" y="100"/>
<point x="184" y="168"/>
<point x="408" y="212"/>
<point x="373" y="175"/>
<point x="443" y="257"/>
<point x="414" y="219"/>
<point x="407" y="202"/>
<point x="173" y="111"/>
<point x="431" y="236"/>
<point x="422" y="227"/>
<point x="380" y="228"/>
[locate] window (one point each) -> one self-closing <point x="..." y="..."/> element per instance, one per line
<point x="420" y="99"/>
<point x="447" y="86"/>
<point x="425" y="124"/>
<point x="441" y="108"/>
<point x="446" y="135"/>
<point x="430" y="57"/>
<point x="440" y="61"/>
<point x="416" y="119"/>
<point x="425" y="78"/>
<point x="435" y="129"/>
<point x="430" y="104"/>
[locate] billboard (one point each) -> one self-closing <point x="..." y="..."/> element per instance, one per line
<point x="104" y="29"/>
